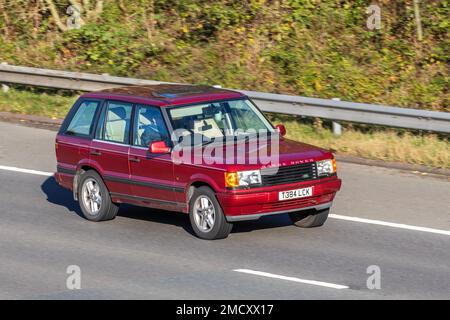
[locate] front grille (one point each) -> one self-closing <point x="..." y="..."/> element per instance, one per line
<point x="288" y="174"/>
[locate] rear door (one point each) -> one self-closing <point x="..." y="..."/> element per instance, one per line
<point x="151" y="175"/>
<point x="74" y="138"/>
<point x="110" y="148"/>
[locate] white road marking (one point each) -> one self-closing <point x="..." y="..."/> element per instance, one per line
<point x="389" y="224"/>
<point x="276" y="276"/>
<point x="36" y="172"/>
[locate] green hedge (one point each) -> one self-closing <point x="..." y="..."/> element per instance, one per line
<point x="319" y="48"/>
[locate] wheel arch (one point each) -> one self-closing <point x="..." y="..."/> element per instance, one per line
<point x="83" y="167"/>
<point x="195" y="185"/>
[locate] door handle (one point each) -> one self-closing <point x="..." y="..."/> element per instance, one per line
<point x="134" y="159"/>
<point x="95" y="153"/>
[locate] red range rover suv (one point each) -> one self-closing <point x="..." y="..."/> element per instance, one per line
<point x="204" y="151"/>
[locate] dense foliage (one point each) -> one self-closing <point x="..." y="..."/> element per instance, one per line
<point x="319" y="48"/>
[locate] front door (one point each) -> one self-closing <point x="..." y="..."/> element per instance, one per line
<point x="151" y="174"/>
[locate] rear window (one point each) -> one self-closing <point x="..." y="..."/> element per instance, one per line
<point x="82" y="122"/>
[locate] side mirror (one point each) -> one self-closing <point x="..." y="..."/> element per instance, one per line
<point x="159" y="147"/>
<point x="281" y="129"/>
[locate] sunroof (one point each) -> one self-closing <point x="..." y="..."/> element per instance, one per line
<point x="167" y="95"/>
<point x="181" y="91"/>
<point x="164" y="91"/>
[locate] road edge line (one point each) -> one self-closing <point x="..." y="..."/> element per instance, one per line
<point x="390" y="224"/>
<point x="30" y="171"/>
<point x="293" y="279"/>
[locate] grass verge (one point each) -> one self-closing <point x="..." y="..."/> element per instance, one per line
<point x="371" y="142"/>
<point x="357" y="140"/>
<point x="51" y="105"/>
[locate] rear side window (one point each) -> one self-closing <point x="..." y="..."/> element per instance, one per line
<point x="117" y="122"/>
<point x="82" y="122"/>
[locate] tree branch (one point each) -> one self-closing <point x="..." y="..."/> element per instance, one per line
<point x="87" y="5"/>
<point x="418" y="20"/>
<point x="55" y="15"/>
<point x="98" y="8"/>
<point x="5" y="16"/>
<point x="94" y="13"/>
<point x="76" y="3"/>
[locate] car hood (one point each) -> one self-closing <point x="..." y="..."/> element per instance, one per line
<point x="258" y="155"/>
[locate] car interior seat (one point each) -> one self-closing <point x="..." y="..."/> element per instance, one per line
<point x="144" y="120"/>
<point x="117" y="124"/>
<point x="207" y="127"/>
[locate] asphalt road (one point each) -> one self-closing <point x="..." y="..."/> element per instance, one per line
<point x="148" y="254"/>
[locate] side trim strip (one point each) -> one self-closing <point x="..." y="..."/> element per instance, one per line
<point x="257" y="216"/>
<point x="60" y="169"/>
<point x="144" y="199"/>
<point x="144" y="184"/>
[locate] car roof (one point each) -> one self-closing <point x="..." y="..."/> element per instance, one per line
<point x="165" y="94"/>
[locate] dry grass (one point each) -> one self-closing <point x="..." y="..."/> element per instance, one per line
<point x="383" y="144"/>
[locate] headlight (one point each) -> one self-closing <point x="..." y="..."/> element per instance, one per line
<point x="242" y="178"/>
<point x="326" y="167"/>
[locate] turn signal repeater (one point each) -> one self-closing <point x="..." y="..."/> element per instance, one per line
<point x="231" y="179"/>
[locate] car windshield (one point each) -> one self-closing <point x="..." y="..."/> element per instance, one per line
<point x="215" y="120"/>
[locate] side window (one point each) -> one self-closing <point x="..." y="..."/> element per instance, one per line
<point x="82" y="122"/>
<point x="149" y="126"/>
<point x="117" y="122"/>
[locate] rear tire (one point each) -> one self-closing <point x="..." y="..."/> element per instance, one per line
<point x="206" y="215"/>
<point x="309" y="218"/>
<point x="94" y="198"/>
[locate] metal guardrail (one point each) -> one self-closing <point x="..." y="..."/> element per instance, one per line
<point x="268" y="102"/>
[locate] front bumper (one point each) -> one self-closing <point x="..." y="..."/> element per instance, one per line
<point x="247" y="217"/>
<point x="254" y="203"/>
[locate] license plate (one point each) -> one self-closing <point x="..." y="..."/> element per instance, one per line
<point x="293" y="194"/>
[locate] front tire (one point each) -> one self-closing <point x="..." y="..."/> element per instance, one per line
<point x="309" y="218"/>
<point x="206" y="215"/>
<point x="94" y="198"/>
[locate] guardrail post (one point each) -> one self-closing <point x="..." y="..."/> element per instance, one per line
<point x="5" y="88"/>
<point x="337" y="128"/>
